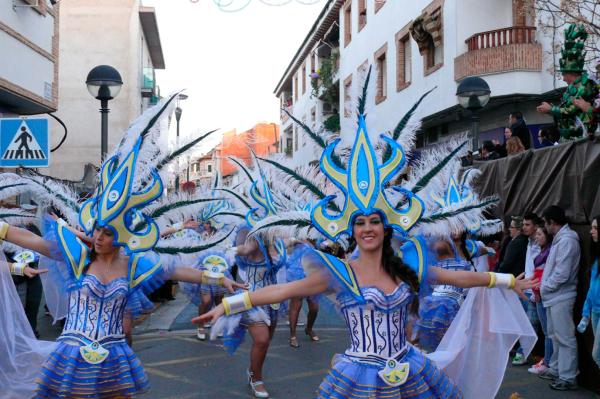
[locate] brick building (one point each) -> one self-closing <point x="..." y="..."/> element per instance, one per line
<point x="263" y="139"/>
<point x="413" y="47"/>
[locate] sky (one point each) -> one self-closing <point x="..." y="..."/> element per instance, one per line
<point x="228" y="62"/>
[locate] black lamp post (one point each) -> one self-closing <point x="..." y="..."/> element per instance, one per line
<point x="178" y="112"/>
<point x="104" y="83"/>
<point x="473" y="93"/>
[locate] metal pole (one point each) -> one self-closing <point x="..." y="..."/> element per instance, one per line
<point x="475" y="131"/>
<point x="177" y="118"/>
<point x="104" y="128"/>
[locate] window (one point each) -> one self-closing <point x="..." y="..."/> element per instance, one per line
<point x="312" y="62"/>
<point x="296" y="88"/>
<point x="348" y="23"/>
<point x="362" y="14"/>
<point x="304" y="78"/>
<point x="209" y="168"/>
<point x="304" y="138"/>
<point x="379" y="4"/>
<point x="295" y="138"/>
<point x="381" y="70"/>
<point x="313" y="117"/>
<point x="403" y="59"/>
<point x="348" y="96"/>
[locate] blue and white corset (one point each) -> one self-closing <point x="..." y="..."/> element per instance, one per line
<point x="451" y="291"/>
<point x="258" y="274"/>
<point x="96" y="312"/>
<point x="376" y="328"/>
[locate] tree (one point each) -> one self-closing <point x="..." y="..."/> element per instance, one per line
<point x="553" y="17"/>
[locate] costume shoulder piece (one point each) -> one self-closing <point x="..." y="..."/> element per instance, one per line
<point x="74" y="251"/>
<point x="143" y="267"/>
<point x="343" y="273"/>
<point x="414" y="254"/>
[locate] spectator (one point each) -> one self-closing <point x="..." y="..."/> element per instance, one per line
<point x="513" y="260"/>
<point x="467" y="160"/>
<point x="530" y="221"/>
<point x="558" y="291"/>
<point x="591" y="307"/>
<point x="545" y="137"/>
<point x="519" y="128"/>
<point x="514" y="146"/>
<point x="488" y="152"/>
<point x="544" y="240"/>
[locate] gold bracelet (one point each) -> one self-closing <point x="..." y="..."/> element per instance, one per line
<point x="237" y="303"/>
<point x="17" y="269"/>
<point x="3" y="230"/>
<point x="492" y="283"/>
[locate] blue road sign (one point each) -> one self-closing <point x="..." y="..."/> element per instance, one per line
<point x="24" y="142"/>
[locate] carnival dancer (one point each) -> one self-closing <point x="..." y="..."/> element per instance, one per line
<point x="377" y="290"/>
<point x="110" y="280"/>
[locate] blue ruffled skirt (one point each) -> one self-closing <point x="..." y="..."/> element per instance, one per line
<point x="66" y="375"/>
<point x="348" y="379"/>
<point x="435" y="316"/>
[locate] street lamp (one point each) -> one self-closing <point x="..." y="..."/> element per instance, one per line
<point x="104" y="83"/>
<point x="473" y="93"/>
<point x="178" y="112"/>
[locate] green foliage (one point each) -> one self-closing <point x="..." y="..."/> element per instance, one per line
<point x="332" y="123"/>
<point x="323" y="87"/>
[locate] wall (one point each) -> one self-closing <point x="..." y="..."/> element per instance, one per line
<point x="117" y="23"/>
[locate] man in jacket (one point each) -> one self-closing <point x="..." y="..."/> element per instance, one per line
<point x="558" y="291"/>
<point x="519" y="128"/>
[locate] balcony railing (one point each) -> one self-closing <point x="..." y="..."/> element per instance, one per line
<point x="502" y="37"/>
<point x="148" y="80"/>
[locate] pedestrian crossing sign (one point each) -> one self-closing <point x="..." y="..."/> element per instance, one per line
<point x="24" y="142"/>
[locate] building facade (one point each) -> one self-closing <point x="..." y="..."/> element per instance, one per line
<point x="413" y="47"/>
<point x="120" y="33"/>
<point x="263" y="139"/>
<point x="29" y="35"/>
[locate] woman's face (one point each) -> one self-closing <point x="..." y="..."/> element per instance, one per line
<point x="507" y="133"/>
<point x="594" y="230"/>
<point x="540" y="237"/>
<point x="103" y="240"/>
<point x="368" y="232"/>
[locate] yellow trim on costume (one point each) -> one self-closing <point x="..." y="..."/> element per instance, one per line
<point x="226" y="306"/>
<point x="492" y="282"/>
<point x="17" y="269"/>
<point x="513" y="282"/>
<point x="237" y="303"/>
<point x="79" y="264"/>
<point x="3" y="230"/>
<point x="352" y="284"/>
<point x="133" y="281"/>
<point x="247" y="301"/>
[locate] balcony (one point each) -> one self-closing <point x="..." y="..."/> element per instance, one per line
<point x="501" y="50"/>
<point x="148" y="82"/>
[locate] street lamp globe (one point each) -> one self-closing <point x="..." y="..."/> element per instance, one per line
<point x="473" y="93"/>
<point x="104" y="82"/>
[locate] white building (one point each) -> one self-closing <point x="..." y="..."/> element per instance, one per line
<point x="120" y="33"/>
<point x="415" y="46"/>
<point x="29" y="32"/>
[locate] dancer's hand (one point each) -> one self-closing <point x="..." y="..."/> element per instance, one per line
<point x="212" y="315"/>
<point x="232" y="285"/>
<point x="30" y="272"/>
<point x="522" y="284"/>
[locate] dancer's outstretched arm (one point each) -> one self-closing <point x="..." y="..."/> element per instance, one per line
<point x="465" y="279"/>
<point x="24" y="238"/>
<point x="314" y="284"/>
<point x="195" y="276"/>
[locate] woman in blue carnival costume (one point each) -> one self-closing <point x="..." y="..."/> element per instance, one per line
<point x="377" y="290"/>
<point x="110" y="279"/>
<point x="259" y="263"/>
<point x="217" y="265"/>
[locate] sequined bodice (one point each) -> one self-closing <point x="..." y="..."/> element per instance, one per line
<point x="258" y="274"/>
<point x="378" y="326"/>
<point x="96" y="309"/>
<point x="451" y="290"/>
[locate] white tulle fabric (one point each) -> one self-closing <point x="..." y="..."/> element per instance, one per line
<point x="55" y="292"/>
<point x="475" y="349"/>
<point x="22" y="355"/>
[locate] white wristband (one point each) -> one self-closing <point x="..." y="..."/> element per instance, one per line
<point x="178" y="226"/>
<point x="505" y="280"/>
<point x="61" y="222"/>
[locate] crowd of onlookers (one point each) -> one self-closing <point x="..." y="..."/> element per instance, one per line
<point x="548" y="249"/>
<point x="517" y="138"/>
